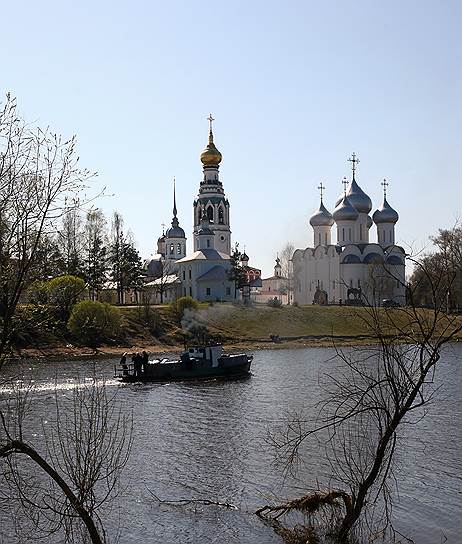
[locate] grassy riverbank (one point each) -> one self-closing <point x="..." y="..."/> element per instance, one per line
<point x="157" y="330"/>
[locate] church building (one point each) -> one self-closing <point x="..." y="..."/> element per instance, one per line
<point x="204" y="274"/>
<point x="354" y="270"/>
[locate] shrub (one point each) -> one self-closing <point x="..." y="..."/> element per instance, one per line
<point x="274" y="302"/>
<point x="63" y="293"/>
<point x="39" y="292"/>
<point x="94" y="322"/>
<point x="179" y="305"/>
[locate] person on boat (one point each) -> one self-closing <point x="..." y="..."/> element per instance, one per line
<point x="137" y="364"/>
<point x="123" y="364"/>
<point x="145" y="360"/>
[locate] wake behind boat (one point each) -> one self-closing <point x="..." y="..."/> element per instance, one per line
<point x="198" y="362"/>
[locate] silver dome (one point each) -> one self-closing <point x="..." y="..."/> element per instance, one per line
<point x="385" y="214"/>
<point x="357" y="197"/>
<point x="175" y="232"/>
<point x="321" y="217"/>
<point x="345" y="211"/>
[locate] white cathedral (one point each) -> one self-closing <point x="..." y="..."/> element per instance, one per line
<point x="202" y="274"/>
<point x="355" y="269"/>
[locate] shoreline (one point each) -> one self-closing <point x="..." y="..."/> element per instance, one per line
<point x="56" y="353"/>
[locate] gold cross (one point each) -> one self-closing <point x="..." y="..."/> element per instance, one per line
<point x="210" y="119"/>
<point x="354" y="161"/>
<point x="321" y="188"/>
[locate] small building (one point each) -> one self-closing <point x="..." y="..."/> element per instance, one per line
<point x="163" y="290"/>
<point x="276" y="286"/>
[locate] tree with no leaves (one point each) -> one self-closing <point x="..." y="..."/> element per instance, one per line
<point x="39" y="175"/>
<point x="62" y="483"/>
<point x="379" y="389"/>
<point x="287" y="273"/>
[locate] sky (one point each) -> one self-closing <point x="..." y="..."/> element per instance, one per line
<point x="295" y="88"/>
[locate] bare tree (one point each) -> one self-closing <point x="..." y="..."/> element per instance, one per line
<point x="166" y="279"/>
<point x="379" y="389"/>
<point x="38" y="172"/>
<point x="60" y="485"/>
<point x="287" y="286"/>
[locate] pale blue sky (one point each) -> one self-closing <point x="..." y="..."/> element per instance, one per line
<point x="295" y="87"/>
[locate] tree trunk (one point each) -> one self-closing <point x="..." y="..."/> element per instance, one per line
<point x="16" y="446"/>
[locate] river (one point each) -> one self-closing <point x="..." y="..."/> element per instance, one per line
<point x="208" y="440"/>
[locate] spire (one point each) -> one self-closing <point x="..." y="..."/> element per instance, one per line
<point x="174" y="199"/>
<point x="354" y="161"/>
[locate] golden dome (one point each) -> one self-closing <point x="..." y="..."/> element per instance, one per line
<point x="210" y="156"/>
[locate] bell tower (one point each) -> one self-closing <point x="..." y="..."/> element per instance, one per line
<point x="211" y="199"/>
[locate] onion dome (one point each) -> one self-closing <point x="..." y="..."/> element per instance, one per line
<point x="244" y="257"/>
<point x="345" y="211"/>
<point x="211" y="156"/>
<point x="321" y="217"/>
<point x="385" y="214"/>
<point x="358" y="198"/>
<point x="175" y="231"/>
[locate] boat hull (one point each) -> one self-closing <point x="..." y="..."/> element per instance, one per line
<point x="235" y="366"/>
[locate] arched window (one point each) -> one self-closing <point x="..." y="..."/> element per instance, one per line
<point x="178" y="249"/>
<point x="220" y="216"/>
<point x="343" y="234"/>
<point x="349" y="234"/>
<point x="172" y="249"/>
<point x="210" y="213"/>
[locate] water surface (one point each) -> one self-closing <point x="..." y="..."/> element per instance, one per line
<point x="208" y="440"/>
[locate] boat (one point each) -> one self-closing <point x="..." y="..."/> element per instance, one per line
<point x="195" y="363"/>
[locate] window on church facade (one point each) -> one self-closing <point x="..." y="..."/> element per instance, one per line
<point x="349" y="234"/>
<point x="178" y="249"/>
<point x="325" y="238"/>
<point x="189" y="273"/>
<point x="360" y="232"/>
<point x="343" y="234"/>
<point x="184" y="274"/>
<point x="351" y="283"/>
<point x="208" y="242"/>
<point x="333" y="284"/>
<point x="210" y="213"/>
<point x="359" y="283"/>
<point x="220" y="216"/>
<point x="207" y="291"/>
<point x="190" y="291"/>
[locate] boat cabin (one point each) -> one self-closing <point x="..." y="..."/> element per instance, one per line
<point x="210" y="353"/>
